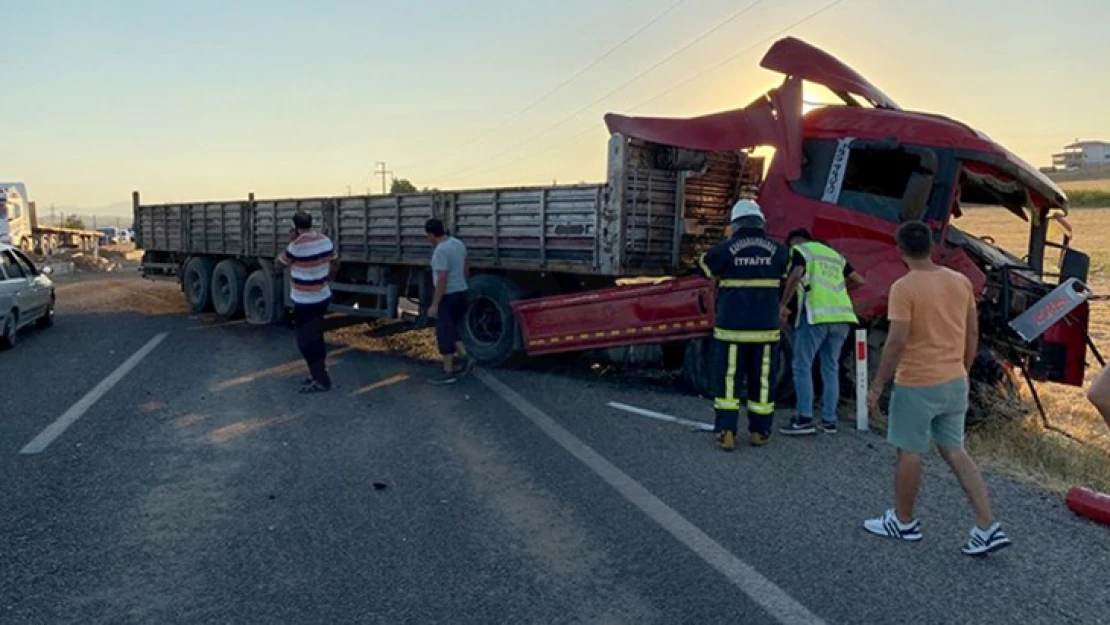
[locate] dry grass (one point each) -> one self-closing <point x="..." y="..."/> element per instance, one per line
<point x="1102" y="184"/>
<point x="1024" y="447"/>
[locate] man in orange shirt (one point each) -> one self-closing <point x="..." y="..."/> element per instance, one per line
<point x="934" y="335"/>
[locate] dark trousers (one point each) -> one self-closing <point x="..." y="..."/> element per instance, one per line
<point x="309" y="320"/>
<point x="744" y="371"/>
<point x="452" y="310"/>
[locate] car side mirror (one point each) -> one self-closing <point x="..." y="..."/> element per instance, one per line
<point x="1074" y="264"/>
<point x="47" y="270"/>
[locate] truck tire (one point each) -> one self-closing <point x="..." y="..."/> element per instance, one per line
<point x="262" y="301"/>
<point x="228" y="279"/>
<point x="697" y="369"/>
<point x="694" y="376"/>
<point x="489" y="329"/>
<point x="197" y="283"/>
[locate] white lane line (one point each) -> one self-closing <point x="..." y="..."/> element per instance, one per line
<point x="643" y="412"/>
<point x="781" y="606"/>
<point x="77" y="410"/>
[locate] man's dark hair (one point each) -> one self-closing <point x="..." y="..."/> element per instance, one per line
<point x="800" y="233"/>
<point x="434" y="227"/>
<point x="915" y="240"/>
<point x="302" y="220"/>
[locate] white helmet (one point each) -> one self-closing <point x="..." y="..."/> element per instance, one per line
<point x="746" y="208"/>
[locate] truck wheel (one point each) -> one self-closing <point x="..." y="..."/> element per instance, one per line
<point x="228" y="280"/>
<point x="697" y="369"/>
<point x="197" y="283"/>
<point x="262" y="300"/>
<point x="489" y="329"/>
<point x="694" y="377"/>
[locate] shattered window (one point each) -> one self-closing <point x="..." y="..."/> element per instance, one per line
<point x="817" y="155"/>
<point x="876" y="180"/>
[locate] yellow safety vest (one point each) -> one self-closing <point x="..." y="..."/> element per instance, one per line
<point x="824" y="293"/>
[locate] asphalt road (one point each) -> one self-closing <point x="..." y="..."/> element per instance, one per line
<point x="201" y="488"/>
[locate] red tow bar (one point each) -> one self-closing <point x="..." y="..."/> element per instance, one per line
<point x="1090" y="504"/>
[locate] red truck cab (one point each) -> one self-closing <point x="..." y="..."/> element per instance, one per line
<point x="851" y="175"/>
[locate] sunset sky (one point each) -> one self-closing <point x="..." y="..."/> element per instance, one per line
<point x="210" y="100"/>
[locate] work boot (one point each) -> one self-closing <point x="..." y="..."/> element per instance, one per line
<point x="758" y="439"/>
<point x="726" y="440"/>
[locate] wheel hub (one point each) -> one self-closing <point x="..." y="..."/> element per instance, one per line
<point x="484" y="319"/>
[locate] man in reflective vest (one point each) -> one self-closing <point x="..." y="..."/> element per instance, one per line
<point x="749" y="268"/>
<point x="825" y="317"/>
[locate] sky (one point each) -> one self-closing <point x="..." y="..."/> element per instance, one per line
<point x="212" y="100"/>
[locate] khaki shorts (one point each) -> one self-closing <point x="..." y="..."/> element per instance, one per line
<point x="921" y="414"/>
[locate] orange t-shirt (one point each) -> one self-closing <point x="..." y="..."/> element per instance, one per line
<point x="935" y="303"/>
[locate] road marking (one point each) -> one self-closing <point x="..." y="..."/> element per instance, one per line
<point x="76" y="411"/>
<point x="643" y="412"/>
<point x="783" y="607"/>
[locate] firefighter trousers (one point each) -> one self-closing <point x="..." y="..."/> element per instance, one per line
<point x="744" y="372"/>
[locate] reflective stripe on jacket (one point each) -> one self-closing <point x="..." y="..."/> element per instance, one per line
<point x="824" y="292"/>
<point x="749" y="268"/>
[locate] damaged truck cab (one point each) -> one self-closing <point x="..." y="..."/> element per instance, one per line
<point x="852" y="174"/>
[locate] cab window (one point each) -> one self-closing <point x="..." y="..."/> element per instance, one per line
<point x="891" y="182"/>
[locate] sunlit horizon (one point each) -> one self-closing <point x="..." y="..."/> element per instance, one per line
<point x="215" y="101"/>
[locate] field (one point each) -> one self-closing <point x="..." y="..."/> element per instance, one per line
<point x="1086" y="185"/>
<point x="1026" y="448"/>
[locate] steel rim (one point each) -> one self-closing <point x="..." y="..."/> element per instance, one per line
<point x="257" y="301"/>
<point x="196" y="289"/>
<point x="485" y="322"/>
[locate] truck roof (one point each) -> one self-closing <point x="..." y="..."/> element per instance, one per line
<point x="775" y="119"/>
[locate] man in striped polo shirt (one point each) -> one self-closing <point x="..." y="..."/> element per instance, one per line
<point x="312" y="260"/>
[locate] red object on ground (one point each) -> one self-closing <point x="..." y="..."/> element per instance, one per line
<point x="673" y="310"/>
<point x="1090" y="504"/>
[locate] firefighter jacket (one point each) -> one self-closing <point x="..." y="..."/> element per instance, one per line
<point x="749" y="268"/>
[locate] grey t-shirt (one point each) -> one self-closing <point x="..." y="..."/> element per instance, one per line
<point x="450" y="256"/>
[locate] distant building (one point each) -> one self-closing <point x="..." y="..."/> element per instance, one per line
<point x="1082" y="154"/>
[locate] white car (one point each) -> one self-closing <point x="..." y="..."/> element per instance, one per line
<point x="26" y="295"/>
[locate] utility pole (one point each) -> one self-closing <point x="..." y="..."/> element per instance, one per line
<point x="53" y="222"/>
<point x="380" y="170"/>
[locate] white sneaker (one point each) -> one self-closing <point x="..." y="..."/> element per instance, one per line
<point x="981" y="542"/>
<point x="889" y="526"/>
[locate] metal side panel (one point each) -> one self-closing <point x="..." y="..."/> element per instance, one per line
<point x="160" y="227"/>
<point x="273" y="219"/>
<point x="671" y="310"/>
<point x="538" y="226"/>
<point x="215" y="227"/>
<point x="610" y="257"/>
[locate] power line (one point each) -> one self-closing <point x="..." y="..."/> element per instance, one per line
<point x="597" y="61"/>
<point x="619" y="88"/>
<point x="676" y="86"/>
<point x="733" y="57"/>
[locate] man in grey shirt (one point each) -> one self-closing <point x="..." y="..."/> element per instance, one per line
<point x="450" y="269"/>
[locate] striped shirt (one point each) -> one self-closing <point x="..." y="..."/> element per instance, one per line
<point x="309" y="259"/>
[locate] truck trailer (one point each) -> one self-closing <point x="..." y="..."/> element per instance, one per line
<point x="550" y="264"/>
<point x="20" y="227"/>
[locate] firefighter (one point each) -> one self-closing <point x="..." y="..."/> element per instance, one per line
<point x="749" y="268"/>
